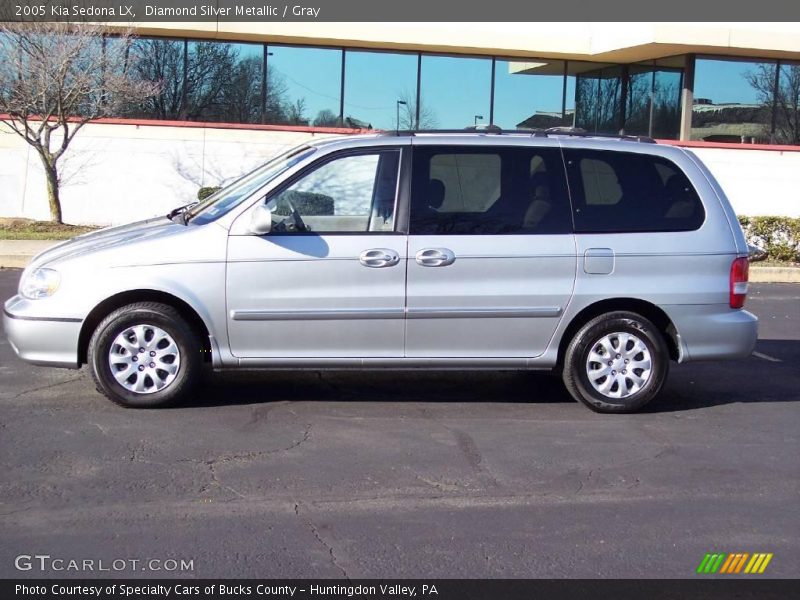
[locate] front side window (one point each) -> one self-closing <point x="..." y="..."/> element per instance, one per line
<point x="473" y="191"/>
<point x="350" y="194"/>
<point x="230" y="196"/>
<point x="622" y="191"/>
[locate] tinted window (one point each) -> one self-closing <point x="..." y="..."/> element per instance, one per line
<point x="529" y="94"/>
<point x="619" y="191"/>
<point x="368" y="105"/>
<point x="353" y="193"/>
<point x="454" y="92"/>
<point x="732" y="100"/>
<point x="224" y="82"/>
<point x="598" y="98"/>
<point x="304" y="86"/>
<point x="464" y="190"/>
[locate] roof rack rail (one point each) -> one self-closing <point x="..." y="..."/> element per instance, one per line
<point x="495" y="130"/>
<point x="578" y="132"/>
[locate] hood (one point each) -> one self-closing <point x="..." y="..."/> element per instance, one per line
<point x="110" y="237"/>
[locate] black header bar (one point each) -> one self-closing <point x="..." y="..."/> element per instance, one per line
<point x="422" y="589"/>
<point x="127" y="11"/>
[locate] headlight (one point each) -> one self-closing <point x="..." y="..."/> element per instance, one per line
<point x="39" y="283"/>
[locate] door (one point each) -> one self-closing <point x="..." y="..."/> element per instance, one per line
<point x="491" y="256"/>
<point x="328" y="281"/>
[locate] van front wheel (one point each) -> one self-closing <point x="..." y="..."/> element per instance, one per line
<point x="616" y="363"/>
<point x="144" y="355"/>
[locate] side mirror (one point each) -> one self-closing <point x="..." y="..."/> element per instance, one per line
<point x="261" y="220"/>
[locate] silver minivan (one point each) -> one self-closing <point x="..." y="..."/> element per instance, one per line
<point x="604" y="259"/>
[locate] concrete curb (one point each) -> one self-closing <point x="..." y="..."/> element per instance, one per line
<point x="774" y="274"/>
<point x="16" y="254"/>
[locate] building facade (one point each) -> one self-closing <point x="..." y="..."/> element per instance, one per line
<point x="246" y="90"/>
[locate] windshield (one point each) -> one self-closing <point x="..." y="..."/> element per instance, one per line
<point x="225" y="199"/>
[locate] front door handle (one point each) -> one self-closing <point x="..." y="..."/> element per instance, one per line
<point x="379" y="257"/>
<point x="435" y="257"/>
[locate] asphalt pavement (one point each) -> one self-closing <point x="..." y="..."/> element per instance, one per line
<point x="406" y="474"/>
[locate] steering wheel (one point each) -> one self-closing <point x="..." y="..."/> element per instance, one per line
<point x="296" y="218"/>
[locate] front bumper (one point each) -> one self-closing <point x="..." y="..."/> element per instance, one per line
<point x="46" y="341"/>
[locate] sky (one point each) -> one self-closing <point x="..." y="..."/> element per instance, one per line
<point x="724" y="81"/>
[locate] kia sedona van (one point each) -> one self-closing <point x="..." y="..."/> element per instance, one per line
<point x="605" y="259"/>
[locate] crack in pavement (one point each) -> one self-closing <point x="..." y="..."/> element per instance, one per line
<point x="240" y="458"/>
<point x="248" y="456"/>
<point x="310" y="524"/>
<point x="43" y="387"/>
<point x="215" y="481"/>
<point x="467" y="446"/>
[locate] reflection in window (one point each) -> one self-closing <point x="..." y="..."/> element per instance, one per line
<point x="479" y="191"/>
<point x="304" y="86"/>
<point x="529" y="94"/>
<point x="653" y="94"/>
<point x="598" y="100"/>
<point x="455" y="92"/>
<point x="787" y="121"/>
<point x="224" y="82"/>
<point x="159" y="61"/>
<point x="732" y="100"/>
<point x="371" y="97"/>
<point x="349" y="194"/>
<point x="569" y="102"/>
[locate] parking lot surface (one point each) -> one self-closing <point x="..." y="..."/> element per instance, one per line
<point x="407" y="474"/>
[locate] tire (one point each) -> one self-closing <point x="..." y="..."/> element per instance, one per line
<point x="619" y="387"/>
<point x="167" y="340"/>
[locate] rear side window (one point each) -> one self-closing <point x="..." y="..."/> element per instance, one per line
<point x="488" y="191"/>
<point x="622" y="191"/>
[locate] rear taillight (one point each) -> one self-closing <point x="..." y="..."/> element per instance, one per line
<point x="740" y="268"/>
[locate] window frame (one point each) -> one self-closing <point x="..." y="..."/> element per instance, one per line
<point x="328" y="158"/>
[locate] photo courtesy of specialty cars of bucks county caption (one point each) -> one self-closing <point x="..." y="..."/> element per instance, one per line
<point x="604" y="259"/>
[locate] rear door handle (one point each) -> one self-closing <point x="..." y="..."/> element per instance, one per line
<point x="379" y="257"/>
<point x="435" y="257"/>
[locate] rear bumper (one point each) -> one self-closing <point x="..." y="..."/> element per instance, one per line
<point x="46" y="341"/>
<point x="712" y="331"/>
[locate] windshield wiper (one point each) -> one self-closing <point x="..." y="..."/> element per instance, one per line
<point x="181" y="210"/>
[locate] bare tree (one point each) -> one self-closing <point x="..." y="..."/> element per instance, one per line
<point x="786" y="102"/>
<point x="55" y="78"/>
<point x="326" y="118"/>
<point x="295" y="112"/>
<point x="408" y="113"/>
<point x="159" y="61"/>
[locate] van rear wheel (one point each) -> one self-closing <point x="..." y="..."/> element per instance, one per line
<point x="145" y="355"/>
<point x="616" y="363"/>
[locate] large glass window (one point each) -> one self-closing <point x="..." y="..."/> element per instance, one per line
<point x="354" y="193"/>
<point x="528" y="94"/>
<point x="454" y="92"/>
<point x="598" y="98"/>
<point x="653" y="101"/>
<point x="304" y="86"/>
<point x="224" y="82"/>
<point x="732" y="100"/>
<point x="787" y="106"/>
<point x="620" y="191"/>
<point x="160" y="61"/>
<point x="473" y="191"/>
<point x="380" y="87"/>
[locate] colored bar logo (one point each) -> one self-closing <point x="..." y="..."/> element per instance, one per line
<point x="740" y="562"/>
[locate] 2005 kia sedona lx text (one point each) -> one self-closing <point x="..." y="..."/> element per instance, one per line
<point x="605" y="259"/>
